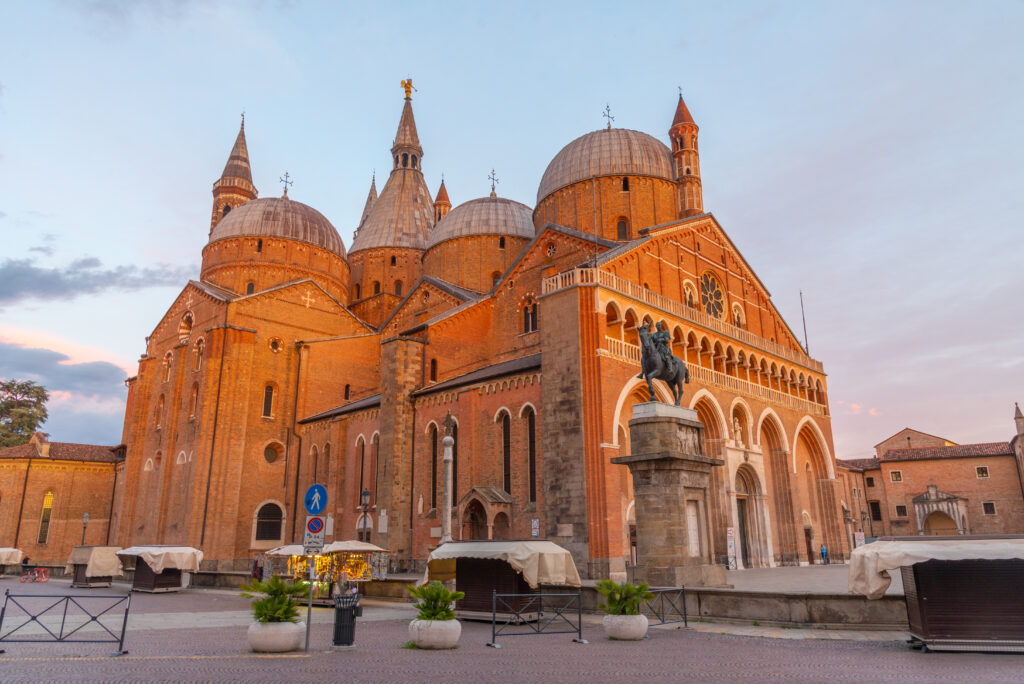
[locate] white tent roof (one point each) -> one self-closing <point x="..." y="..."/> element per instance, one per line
<point x="160" y="558"/>
<point x="539" y="562"/>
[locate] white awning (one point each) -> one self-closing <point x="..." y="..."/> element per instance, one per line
<point x="160" y="558"/>
<point x="869" y="563"/>
<point x="350" y="546"/>
<point x="9" y="556"/>
<point x="539" y="562"/>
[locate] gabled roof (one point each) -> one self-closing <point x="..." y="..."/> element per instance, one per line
<point x="958" y="451"/>
<point x="916" y="432"/>
<point x="860" y="464"/>
<point x="460" y="293"/>
<point x="481" y="374"/>
<point x="366" y="402"/>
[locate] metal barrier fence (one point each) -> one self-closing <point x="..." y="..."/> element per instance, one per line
<point x="539" y="613"/>
<point x="64" y="618"/>
<point x="667" y="606"/>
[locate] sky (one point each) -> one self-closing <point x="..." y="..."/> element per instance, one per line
<point x="866" y="154"/>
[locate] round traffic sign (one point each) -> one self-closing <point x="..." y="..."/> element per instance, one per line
<point x="315" y="525"/>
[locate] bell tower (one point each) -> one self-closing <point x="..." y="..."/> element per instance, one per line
<point x="234" y="187"/>
<point x="687" y="161"/>
<point x="442" y="205"/>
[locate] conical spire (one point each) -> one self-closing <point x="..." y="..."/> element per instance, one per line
<point x="371" y="199"/>
<point x="238" y="160"/>
<point x="682" y="114"/>
<point x="406" y="149"/>
<point x="442" y="205"/>
<point x="442" y="194"/>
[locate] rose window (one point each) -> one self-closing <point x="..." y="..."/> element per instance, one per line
<point x="711" y="297"/>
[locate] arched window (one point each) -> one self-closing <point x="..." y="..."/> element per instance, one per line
<point x="168" y="362"/>
<point x="622" y="229"/>
<point x="531" y="445"/>
<point x="259" y="244"/>
<point x="185" y="326"/>
<point x="394" y="260"/>
<point x="396" y="161"/>
<point x="348" y="391"/>
<point x="433" y="466"/>
<point x="455" y="463"/>
<point x="250" y="288"/>
<point x="197" y="358"/>
<point x="405" y="160"/>
<point x="433" y="370"/>
<point x="625" y="185"/>
<point x="268" y="401"/>
<point x="362" y="464"/>
<point x="530" y="316"/>
<point x="44" y="518"/>
<point x="314" y="455"/>
<point x="356" y="292"/>
<point x="506" y="451"/>
<point x="495" y="277"/>
<point x="268" y="522"/>
<point x="225" y="210"/>
<point x="398" y="288"/>
<point x="377" y="467"/>
<point x="159" y="418"/>
<point x="414" y="161"/>
<point x="501" y="242"/>
<point x="376" y="287"/>
<point x="194" y="402"/>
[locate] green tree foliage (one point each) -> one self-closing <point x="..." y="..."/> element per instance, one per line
<point x="275" y="599"/>
<point x="435" y="601"/>
<point x="623" y="599"/>
<point x="22" y="410"/>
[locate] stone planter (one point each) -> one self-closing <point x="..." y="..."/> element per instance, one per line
<point x="276" y="637"/>
<point x="625" y="627"/>
<point x="435" y="633"/>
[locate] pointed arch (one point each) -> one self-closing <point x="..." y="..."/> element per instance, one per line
<point x="821" y="443"/>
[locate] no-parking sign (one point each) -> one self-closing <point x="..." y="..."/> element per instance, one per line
<point x="313" y="537"/>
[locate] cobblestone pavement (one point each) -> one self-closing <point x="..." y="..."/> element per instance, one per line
<point x="168" y="645"/>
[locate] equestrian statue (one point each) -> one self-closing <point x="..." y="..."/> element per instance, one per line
<point x="659" y="363"/>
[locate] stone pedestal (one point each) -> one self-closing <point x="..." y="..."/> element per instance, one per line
<point x="670" y="486"/>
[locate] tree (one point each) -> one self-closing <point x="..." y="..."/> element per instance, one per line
<point x="22" y="410"/>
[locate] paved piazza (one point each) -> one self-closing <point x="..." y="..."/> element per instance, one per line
<point x="199" y="635"/>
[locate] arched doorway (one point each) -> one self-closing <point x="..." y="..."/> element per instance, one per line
<point x="711" y="415"/>
<point x="501" y="528"/>
<point x="939" y="523"/>
<point x="746" y="488"/>
<point x="474" y="524"/>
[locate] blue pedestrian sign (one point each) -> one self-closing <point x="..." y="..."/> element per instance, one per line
<point x="316" y="499"/>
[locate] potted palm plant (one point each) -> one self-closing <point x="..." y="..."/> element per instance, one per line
<point x="276" y="610"/>
<point x="435" y="626"/>
<point x="622" y="618"/>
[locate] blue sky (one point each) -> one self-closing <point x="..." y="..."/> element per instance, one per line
<point x="867" y="153"/>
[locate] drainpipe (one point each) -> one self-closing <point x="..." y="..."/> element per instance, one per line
<point x="110" y="513"/>
<point x="24" y="488"/>
<point x="216" y="416"/>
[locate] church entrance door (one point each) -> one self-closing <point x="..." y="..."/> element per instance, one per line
<point x="741" y="520"/>
<point x="808" y="534"/>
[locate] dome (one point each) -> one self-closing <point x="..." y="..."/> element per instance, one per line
<point x="401" y="217"/>
<point x="607" y="152"/>
<point x="280" y="218"/>
<point x="485" y="216"/>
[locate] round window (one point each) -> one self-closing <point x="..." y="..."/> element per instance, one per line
<point x="275" y="344"/>
<point x="270" y="453"/>
<point x="711" y="297"/>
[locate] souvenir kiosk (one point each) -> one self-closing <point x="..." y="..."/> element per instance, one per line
<point x="9" y="556"/>
<point x="93" y="566"/>
<point x="162" y="568"/>
<point x="336" y="567"/>
<point x="505" y="566"/>
<point x="962" y="592"/>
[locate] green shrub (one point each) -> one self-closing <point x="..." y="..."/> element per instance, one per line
<point x="435" y="601"/>
<point x="624" y="598"/>
<point x="276" y="600"/>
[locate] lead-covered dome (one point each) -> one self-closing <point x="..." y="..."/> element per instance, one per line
<point x="607" y="152"/>
<point x="485" y="216"/>
<point x="280" y="218"/>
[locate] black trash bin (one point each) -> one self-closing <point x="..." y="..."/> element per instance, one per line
<point x="346" y="610"/>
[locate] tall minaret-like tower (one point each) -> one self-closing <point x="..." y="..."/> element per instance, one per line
<point x="687" y="160"/>
<point x="234" y="187"/>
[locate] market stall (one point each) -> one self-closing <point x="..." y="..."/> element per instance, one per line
<point x="162" y="568"/>
<point x="481" y="567"/>
<point x="962" y="592"/>
<point x="338" y="565"/>
<point x="94" y="566"/>
<point x="9" y="556"/>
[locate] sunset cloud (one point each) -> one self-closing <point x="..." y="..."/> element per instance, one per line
<point x="22" y="279"/>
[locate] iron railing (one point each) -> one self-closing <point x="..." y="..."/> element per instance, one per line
<point x="667" y="606"/>
<point x="522" y="614"/>
<point x="63" y="619"/>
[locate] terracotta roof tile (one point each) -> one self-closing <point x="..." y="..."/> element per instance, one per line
<point x="958" y="451"/>
<point x="858" y="463"/>
<point x="682" y="114"/>
<point x="65" y="451"/>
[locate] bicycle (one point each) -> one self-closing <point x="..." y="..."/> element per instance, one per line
<point x="36" y="575"/>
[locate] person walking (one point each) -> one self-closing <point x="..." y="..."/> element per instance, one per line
<point x="824" y="555"/>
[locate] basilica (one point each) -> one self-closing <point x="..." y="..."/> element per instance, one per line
<point x="294" y="360"/>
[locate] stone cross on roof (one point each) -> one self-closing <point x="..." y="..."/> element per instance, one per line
<point x="284" y="181"/>
<point x="608" y="115"/>
<point x="494" y="179"/>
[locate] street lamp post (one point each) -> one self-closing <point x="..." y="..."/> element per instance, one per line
<point x="85" y="523"/>
<point x="364" y="501"/>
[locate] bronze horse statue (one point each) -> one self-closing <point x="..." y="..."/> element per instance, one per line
<point x="674" y="373"/>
